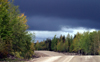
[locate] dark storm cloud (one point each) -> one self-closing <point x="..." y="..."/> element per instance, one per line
<point x="74" y="13"/>
<point x="44" y="23"/>
<point x="55" y="24"/>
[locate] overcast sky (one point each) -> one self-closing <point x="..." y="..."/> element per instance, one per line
<point x="49" y="17"/>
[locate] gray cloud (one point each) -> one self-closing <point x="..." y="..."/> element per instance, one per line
<point x="54" y="24"/>
<point x="52" y="14"/>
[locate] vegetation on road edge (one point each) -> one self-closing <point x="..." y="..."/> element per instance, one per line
<point x="87" y="43"/>
<point x="14" y="39"/>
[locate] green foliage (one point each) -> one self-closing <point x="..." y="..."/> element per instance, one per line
<point x="60" y="47"/>
<point x="1" y="45"/>
<point x="13" y="34"/>
<point x="5" y="29"/>
<point x="17" y="54"/>
<point x="83" y="43"/>
<point x="54" y="44"/>
<point x="37" y="46"/>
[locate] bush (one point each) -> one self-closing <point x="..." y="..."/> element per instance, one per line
<point x="17" y="55"/>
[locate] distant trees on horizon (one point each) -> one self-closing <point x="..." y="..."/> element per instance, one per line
<point x="87" y="43"/>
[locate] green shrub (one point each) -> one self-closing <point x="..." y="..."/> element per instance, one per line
<point x="17" y="55"/>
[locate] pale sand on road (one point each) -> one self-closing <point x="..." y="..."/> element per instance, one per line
<point x="59" y="57"/>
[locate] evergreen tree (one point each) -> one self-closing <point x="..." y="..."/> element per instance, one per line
<point x="54" y="44"/>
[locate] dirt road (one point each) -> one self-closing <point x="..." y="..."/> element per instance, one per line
<point x="59" y="57"/>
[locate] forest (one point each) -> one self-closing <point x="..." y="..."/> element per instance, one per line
<point x="14" y="39"/>
<point x="87" y="43"/>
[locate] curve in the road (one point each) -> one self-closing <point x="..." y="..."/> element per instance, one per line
<point x="58" y="57"/>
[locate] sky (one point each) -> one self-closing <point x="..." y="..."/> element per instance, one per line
<point x="47" y="18"/>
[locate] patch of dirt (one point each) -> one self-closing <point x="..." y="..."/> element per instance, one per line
<point x="67" y="53"/>
<point x="70" y="53"/>
<point x="38" y="54"/>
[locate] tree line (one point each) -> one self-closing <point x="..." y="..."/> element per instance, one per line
<point x="14" y="39"/>
<point x="87" y="43"/>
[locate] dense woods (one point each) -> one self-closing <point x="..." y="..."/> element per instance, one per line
<point x="14" y="39"/>
<point x="87" y="43"/>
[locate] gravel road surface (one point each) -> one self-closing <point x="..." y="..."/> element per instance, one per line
<point x="50" y="56"/>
